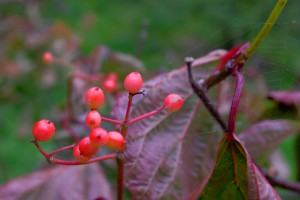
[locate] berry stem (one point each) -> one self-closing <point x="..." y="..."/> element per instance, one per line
<point x="112" y="121"/>
<point x="60" y="150"/>
<point x="92" y="160"/>
<point x="130" y="97"/>
<point x="53" y="160"/>
<point x="120" y="164"/>
<point x="145" y="115"/>
<point x="235" y="101"/>
<point x="35" y="142"/>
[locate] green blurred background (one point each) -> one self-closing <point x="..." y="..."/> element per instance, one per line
<point x="174" y="29"/>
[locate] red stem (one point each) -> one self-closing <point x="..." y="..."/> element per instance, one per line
<point x="112" y="121"/>
<point x="120" y="164"/>
<point x="53" y="160"/>
<point x="145" y="115"/>
<point x="60" y="150"/>
<point x="35" y="142"/>
<point x="239" y="83"/>
<point x="130" y="97"/>
<point x="92" y="160"/>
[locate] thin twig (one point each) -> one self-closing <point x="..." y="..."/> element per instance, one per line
<point x="293" y="186"/>
<point x="200" y="91"/>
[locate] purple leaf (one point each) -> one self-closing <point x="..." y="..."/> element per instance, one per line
<point x="263" y="137"/>
<point x="156" y="150"/>
<point x="286" y="97"/>
<point x="234" y="176"/>
<point x="60" y="182"/>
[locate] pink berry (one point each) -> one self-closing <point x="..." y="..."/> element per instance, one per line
<point x="86" y="148"/>
<point x="133" y="82"/>
<point x="78" y="156"/>
<point x="109" y="85"/>
<point x="93" y="119"/>
<point x="47" y="57"/>
<point x="173" y="102"/>
<point x="94" y="97"/>
<point x="43" y="130"/>
<point x="99" y="136"/>
<point x="112" y="76"/>
<point x="116" y="141"/>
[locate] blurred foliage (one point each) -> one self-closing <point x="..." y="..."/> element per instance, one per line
<point x="31" y="90"/>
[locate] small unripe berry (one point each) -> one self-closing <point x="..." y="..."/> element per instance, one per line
<point x="173" y="102"/>
<point x="47" y="57"/>
<point x="109" y="85"/>
<point x="116" y="141"/>
<point x="78" y="156"/>
<point x="94" y="97"/>
<point x="99" y="136"/>
<point x="43" y="130"/>
<point x="93" y="119"/>
<point x="133" y="82"/>
<point x="86" y="148"/>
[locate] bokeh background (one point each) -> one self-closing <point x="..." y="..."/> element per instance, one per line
<point x="159" y="33"/>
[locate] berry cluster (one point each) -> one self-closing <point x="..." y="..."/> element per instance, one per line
<point x="89" y="146"/>
<point x="86" y="148"/>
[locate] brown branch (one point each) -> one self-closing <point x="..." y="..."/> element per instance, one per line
<point x="274" y="181"/>
<point x="201" y="92"/>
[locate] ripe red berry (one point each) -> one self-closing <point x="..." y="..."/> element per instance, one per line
<point x="173" y="102"/>
<point x="116" y="141"/>
<point x="78" y="156"/>
<point x="99" y="136"/>
<point x="86" y="148"/>
<point x="43" y="130"/>
<point x="47" y="57"/>
<point x="109" y="85"/>
<point x="133" y="82"/>
<point x="94" y="97"/>
<point x="93" y="119"/>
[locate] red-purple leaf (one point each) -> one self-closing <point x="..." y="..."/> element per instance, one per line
<point x="263" y="137"/>
<point x="60" y="182"/>
<point x="289" y="98"/>
<point x="234" y="176"/>
<point x="155" y="148"/>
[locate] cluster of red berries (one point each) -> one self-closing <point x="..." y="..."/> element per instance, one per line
<point x="87" y="147"/>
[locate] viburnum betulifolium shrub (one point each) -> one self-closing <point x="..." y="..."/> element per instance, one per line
<point x="167" y="134"/>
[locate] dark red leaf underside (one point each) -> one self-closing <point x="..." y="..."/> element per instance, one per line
<point x="262" y="138"/>
<point x="289" y="98"/>
<point x="156" y="151"/>
<point x="234" y="176"/>
<point x="60" y="182"/>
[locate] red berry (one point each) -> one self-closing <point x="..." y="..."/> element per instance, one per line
<point x="86" y="148"/>
<point x="78" y="156"/>
<point x="116" y="141"/>
<point x="99" y="136"/>
<point x="173" y="102"/>
<point x="112" y="76"/>
<point x="43" y="130"/>
<point x="47" y="57"/>
<point x="94" y="97"/>
<point x="133" y="82"/>
<point x="93" y="119"/>
<point x="109" y="85"/>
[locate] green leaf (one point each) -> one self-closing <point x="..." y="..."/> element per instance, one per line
<point x="234" y="176"/>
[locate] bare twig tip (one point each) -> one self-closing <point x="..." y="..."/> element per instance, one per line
<point x="189" y="60"/>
